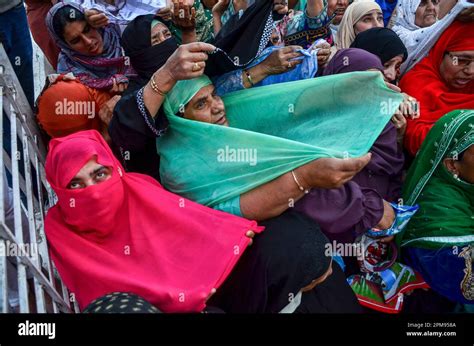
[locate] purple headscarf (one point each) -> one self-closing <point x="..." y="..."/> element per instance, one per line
<point x="97" y="72"/>
<point x="351" y="60"/>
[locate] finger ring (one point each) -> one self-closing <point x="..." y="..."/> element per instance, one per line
<point x="196" y="67"/>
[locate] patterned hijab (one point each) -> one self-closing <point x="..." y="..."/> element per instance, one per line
<point x="97" y="72"/>
<point x="428" y="182"/>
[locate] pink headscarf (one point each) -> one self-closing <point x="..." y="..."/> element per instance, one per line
<point x="129" y="234"/>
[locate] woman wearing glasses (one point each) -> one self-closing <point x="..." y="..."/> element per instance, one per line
<point x="442" y="82"/>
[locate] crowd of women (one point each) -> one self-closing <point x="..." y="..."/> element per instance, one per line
<point x="212" y="155"/>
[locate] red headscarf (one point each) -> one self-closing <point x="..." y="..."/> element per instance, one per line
<point x="425" y="83"/>
<point x="129" y="234"/>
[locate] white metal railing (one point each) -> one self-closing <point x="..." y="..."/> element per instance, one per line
<point x="29" y="282"/>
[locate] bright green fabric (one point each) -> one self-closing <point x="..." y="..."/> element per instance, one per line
<point x="231" y="206"/>
<point x="285" y="125"/>
<point x="446" y="203"/>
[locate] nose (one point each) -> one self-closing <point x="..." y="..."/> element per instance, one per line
<point x="87" y="40"/>
<point x="89" y="182"/>
<point x="430" y="5"/>
<point x="217" y="105"/>
<point x="390" y="73"/>
<point x="470" y="69"/>
<point x="161" y="36"/>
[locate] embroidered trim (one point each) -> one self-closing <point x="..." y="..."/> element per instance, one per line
<point x="146" y="116"/>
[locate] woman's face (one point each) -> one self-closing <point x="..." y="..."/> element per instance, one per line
<point x="91" y="173"/>
<point x="338" y="7"/>
<point x="206" y="107"/>
<point x="83" y="38"/>
<point x="427" y="13"/>
<point x="391" y="69"/>
<point x="159" y="33"/>
<point x="463" y="168"/>
<point x="457" y="69"/>
<point x="372" y="19"/>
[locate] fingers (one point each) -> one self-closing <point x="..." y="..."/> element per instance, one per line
<point x="355" y="164"/>
<point x="176" y="9"/>
<point x="199" y="47"/>
<point x="250" y="234"/>
<point x="324" y="52"/>
<point x="115" y="99"/>
<point x="99" y="19"/>
<point x="393" y="87"/>
<point x="96" y="18"/>
<point x="197" y="57"/>
<point x="348" y="168"/>
<point x="122" y="87"/>
<point x="114" y="85"/>
<point x="196" y="66"/>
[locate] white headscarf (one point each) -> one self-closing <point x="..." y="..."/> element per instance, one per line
<point x="354" y="12"/>
<point x="418" y="40"/>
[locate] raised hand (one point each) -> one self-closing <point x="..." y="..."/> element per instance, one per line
<point x="184" y="15"/>
<point x="96" y="19"/>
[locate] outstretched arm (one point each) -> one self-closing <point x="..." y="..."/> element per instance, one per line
<point x="274" y="197"/>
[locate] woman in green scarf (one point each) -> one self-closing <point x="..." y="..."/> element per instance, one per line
<point x="439" y="240"/>
<point x="281" y="141"/>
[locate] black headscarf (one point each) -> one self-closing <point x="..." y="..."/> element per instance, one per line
<point x="243" y="38"/>
<point x="382" y="42"/>
<point x="145" y="58"/>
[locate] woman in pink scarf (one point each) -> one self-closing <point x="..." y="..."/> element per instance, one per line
<point x="116" y="231"/>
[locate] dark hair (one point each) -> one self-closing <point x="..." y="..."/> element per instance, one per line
<point x="67" y="14"/>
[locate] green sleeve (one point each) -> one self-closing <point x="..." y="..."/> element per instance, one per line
<point x="231" y="206"/>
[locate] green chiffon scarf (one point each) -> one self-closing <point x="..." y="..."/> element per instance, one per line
<point x="273" y="130"/>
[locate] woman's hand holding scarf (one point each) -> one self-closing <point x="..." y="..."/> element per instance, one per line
<point x="119" y="86"/>
<point x="282" y="60"/>
<point x="409" y="108"/>
<point x="331" y="173"/>
<point x="187" y="62"/>
<point x="324" y="52"/>
<point x="387" y="219"/>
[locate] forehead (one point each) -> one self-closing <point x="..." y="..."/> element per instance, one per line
<point x="203" y="92"/>
<point x="158" y="28"/>
<point x="395" y="59"/>
<point x="372" y="12"/>
<point x="464" y="53"/>
<point x="73" y="29"/>
<point x="89" y="167"/>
